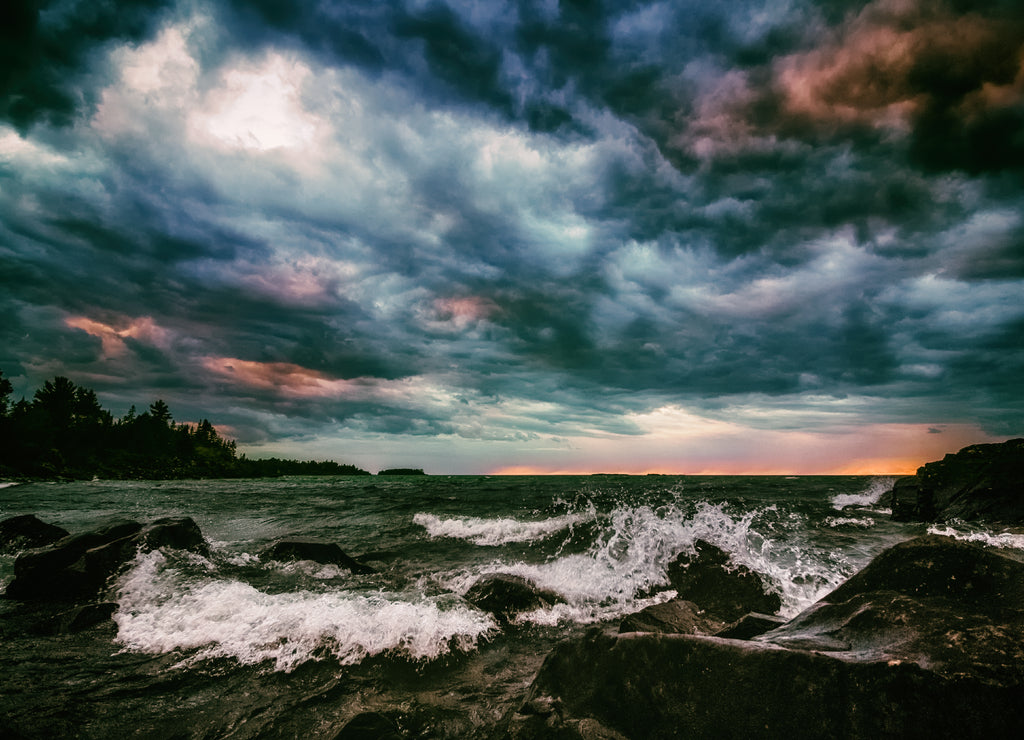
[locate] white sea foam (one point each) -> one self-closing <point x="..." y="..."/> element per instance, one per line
<point x="495" y="532"/>
<point x="835" y="522"/>
<point x="866" y="498"/>
<point x="162" y="610"/>
<point x="631" y="558"/>
<point x="1006" y="540"/>
<point x="8" y="483"/>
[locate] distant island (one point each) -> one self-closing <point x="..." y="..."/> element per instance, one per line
<point x="64" y="433"/>
<point x="402" y="471"/>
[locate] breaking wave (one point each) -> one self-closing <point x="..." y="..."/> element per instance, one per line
<point x="162" y="609"/>
<point x="866" y="498"/>
<point x="497" y="531"/>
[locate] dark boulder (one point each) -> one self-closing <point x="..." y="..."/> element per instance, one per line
<point x="672" y="616"/>
<point x="27" y="532"/>
<point x="724" y="589"/>
<point x="652" y="686"/>
<point x="505" y="595"/>
<point x="955" y="607"/>
<point x="177" y="533"/>
<point x="78" y="567"/>
<point x="75" y="567"/>
<point x="981" y="482"/>
<point x="927" y="641"/>
<point x="318" y="551"/>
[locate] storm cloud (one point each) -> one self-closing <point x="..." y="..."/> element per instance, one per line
<point x="523" y="230"/>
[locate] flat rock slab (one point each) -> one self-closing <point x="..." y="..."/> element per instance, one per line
<point x="652" y="686"/>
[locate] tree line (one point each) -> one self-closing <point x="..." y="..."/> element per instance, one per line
<point x="64" y="432"/>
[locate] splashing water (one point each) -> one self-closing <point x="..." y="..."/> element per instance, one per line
<point x="866" y="498"/>
<point x="495" y="532"/>
<point x="161" y="610"/>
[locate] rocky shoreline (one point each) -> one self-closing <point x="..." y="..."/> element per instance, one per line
<point x="925" y="641"/>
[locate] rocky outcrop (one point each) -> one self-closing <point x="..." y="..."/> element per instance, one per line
<point x="723" y="589"/>
<point x="505" y="595"/>
<point x="27" y="532"/>
<point x="927" y="641"/>
<point x="980" y="482"/>
<point x="77" y="567"/>
<point x="318" y="551"/>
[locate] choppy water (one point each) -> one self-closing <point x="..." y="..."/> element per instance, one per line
<point x="231" y="646"/>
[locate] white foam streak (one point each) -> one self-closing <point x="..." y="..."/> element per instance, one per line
<point x="161" y="611"/>
<point x="495" y="532"/>
<point x="1005" y="540"/>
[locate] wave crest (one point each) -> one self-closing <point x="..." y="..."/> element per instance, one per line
<point x="495" y="532"/>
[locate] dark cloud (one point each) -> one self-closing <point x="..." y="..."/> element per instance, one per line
<point x="506" y="221"/>
<point x="43" y="46"/>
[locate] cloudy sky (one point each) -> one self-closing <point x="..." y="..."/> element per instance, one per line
<point x="544" y="235"/>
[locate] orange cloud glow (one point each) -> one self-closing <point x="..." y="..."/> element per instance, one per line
<point x="283" y="378"/>
<point x="876" y="70"/>
<point x="143" y="329"/>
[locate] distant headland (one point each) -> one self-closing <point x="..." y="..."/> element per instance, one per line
<point x="64" y="433"/>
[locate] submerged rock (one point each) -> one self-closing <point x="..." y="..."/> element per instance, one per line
<point x="26" y="532"/>
<point x="672" y="616"/>
<point x="318" y="551"/>
<point x="927" y="641"/>
<point x="505" y="595"/>
<point x="77" y="567"/>
<point x="980" y="482"/>
<point x="724" y="589"/>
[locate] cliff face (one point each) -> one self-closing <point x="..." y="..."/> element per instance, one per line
<point x="980" y="482"/>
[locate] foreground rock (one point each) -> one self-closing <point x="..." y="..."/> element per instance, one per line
<point x="927" y="641"/>
<point x="980" y="482"/>
<point x="77" y="567"/>
<point x="318" y="551"/>
<point x="677" y="616"/>
<point x="26" y="532"/>
<point x="505" y="595"/>
<point x="723" y="589"/>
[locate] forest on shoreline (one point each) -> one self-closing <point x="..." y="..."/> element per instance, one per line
<point x="64" y="433"/>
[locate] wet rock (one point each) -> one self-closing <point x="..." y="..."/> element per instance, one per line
<point x="27" y="532"/>
<point x="318" y="551"/>
<point x="724" y="589"/>
<point x="750" y="625"/>
<point x="178" y="533"/>
<point x="75" y="567"/>
<point x="927" y="641"/>
<point x="980" y="482"/>
<point x="505" y="595"/>
<point x="677" y="615"/>
<point x="78" y="567"/>
<point x="955" y="607"/>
